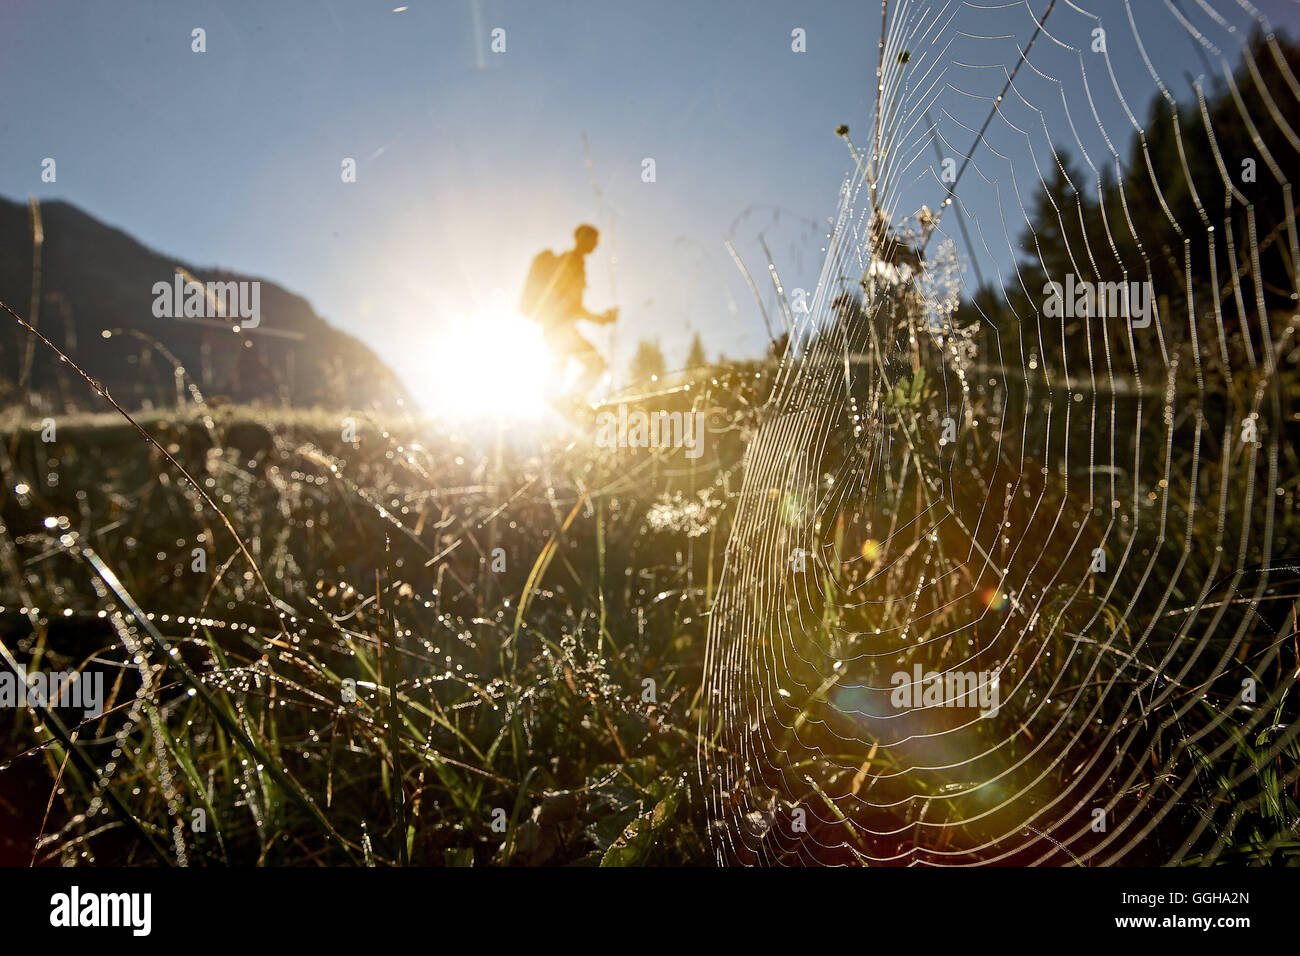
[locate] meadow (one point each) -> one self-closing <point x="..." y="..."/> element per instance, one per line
<point x="338" y="640"/>
<point x="433" y="650"/>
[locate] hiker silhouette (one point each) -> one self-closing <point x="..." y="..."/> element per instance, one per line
<point x="552" y="297"/>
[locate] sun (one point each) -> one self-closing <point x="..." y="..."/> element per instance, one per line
<point x="491" y="365"/>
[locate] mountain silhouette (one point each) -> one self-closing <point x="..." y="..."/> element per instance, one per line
<point x="94" y="278"/>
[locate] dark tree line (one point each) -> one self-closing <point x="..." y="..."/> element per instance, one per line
<point x="1180" y="218"/>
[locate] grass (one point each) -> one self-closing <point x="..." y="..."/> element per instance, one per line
<point x="413" y="648"/>
<point x="465" y="658"/>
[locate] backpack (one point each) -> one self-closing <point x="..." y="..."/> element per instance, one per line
<point x="542" y="275"/>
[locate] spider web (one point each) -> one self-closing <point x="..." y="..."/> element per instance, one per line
<point x="1008" y="585"/>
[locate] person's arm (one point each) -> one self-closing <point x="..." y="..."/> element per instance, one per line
<point x="576" y="279"/>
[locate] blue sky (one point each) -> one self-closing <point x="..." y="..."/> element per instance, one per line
<point x="471" y="161"/>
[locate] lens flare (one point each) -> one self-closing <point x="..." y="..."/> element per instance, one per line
<point x="493" y="365"/>
<point x="994" y="599"/>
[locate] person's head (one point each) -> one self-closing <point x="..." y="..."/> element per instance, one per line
<point x="584" y="238"/>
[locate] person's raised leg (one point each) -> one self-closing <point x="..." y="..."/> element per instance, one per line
<point x="593" y="365"/>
